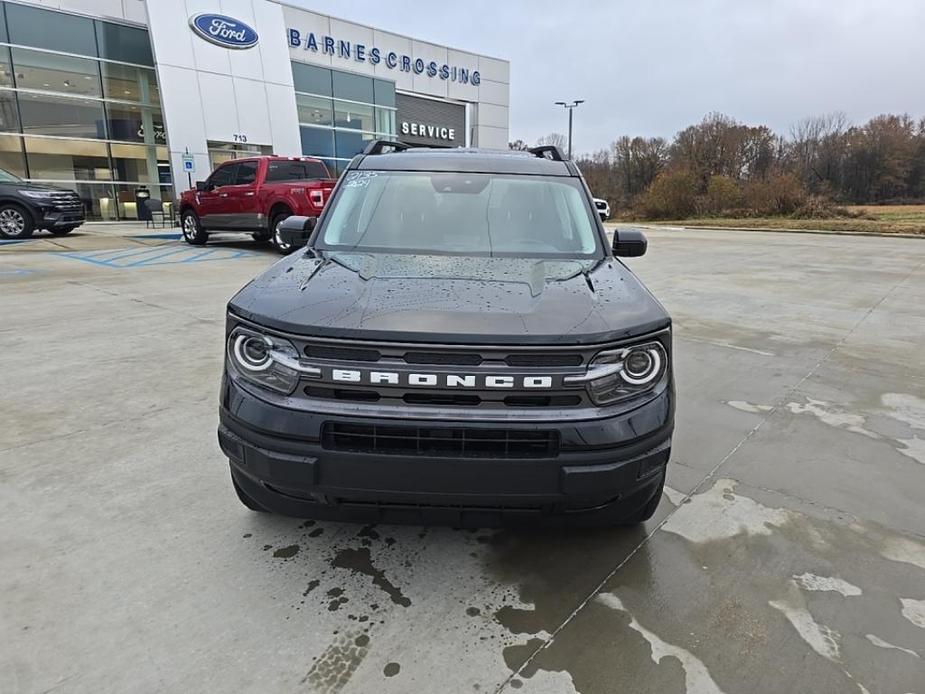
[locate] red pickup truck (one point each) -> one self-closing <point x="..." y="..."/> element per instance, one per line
<point x="254" y="195"/>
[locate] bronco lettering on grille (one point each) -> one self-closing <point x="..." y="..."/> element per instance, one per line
<point x="395" y="378"/>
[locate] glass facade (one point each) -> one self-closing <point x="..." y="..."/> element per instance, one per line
<point x="220" y="152"/>
<point x="80" y="108"/>
<point x="339" y="112"/>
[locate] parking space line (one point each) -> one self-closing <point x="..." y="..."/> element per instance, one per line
<point x="74" y="256"/>
<point x="131" y="253"/>
<point x="175" y="237"/>
<point x="200" y="255"/>
<point x="149" y="261"/>
<point x="162" y="254"/>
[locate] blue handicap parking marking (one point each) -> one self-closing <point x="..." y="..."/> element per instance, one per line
<point x="158" y="236"/>
<point x="15" y="271"/>
<point x="170" y="254"/>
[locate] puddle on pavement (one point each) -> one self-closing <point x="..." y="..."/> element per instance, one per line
<point x="372" y="584"/>
<point x="359" y="561"/>
<point x="898" y="419"/>
<point x="732" y="594"/>
<point x="544" y="565"/>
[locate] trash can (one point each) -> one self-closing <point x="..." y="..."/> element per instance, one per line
<point x="142" y="195"/>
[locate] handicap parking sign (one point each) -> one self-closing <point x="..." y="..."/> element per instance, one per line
<point x="189" y="164"/>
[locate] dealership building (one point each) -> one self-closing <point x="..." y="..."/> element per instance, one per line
<point x="112" y="98"/>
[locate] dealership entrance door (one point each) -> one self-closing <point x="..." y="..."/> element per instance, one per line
<point x="220" y="152"/>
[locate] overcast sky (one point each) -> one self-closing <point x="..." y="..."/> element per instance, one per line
<point x="652" y="67"/>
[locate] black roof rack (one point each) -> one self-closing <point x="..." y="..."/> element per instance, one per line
<point x="385" y="147"/>
<point x="547" y="152"/>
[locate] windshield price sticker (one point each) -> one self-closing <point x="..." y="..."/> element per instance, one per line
<point x="359" y="179"/>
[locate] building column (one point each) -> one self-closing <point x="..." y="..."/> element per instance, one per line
<point x="147" y="125"/>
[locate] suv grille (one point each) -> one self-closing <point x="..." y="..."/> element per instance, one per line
<point x="341" y="353"/>
<point x="544" y="360"/>
<point x="448" y="358"/>
<point x="397" y="360"/>
<point x="439" y="441"/>
<point x="67" y="201"/>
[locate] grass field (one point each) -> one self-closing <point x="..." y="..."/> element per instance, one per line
<point x="885" y="219"/>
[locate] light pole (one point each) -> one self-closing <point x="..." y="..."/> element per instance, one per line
<point x="571" y="107"/>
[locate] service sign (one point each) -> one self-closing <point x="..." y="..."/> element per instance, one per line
<point x="430" y="122"/>
<point x="223" y="31"/>
<point x="434" y="132"/>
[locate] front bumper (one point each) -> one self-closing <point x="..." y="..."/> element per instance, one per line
<point x="604" y="470"/>
<point x="52" y="219"/>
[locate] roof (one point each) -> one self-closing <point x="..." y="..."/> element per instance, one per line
<point x="273" y="157"/>
<point x="466" y="160"/>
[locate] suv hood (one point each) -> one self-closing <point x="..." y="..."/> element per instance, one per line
<point x="452" y="299"/>
<point x="25" y="185"/>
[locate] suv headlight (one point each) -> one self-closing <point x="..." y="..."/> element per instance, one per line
<point x="267" y="360"/>
<point x="36" y="194"/>
<point x="623" y="373"/>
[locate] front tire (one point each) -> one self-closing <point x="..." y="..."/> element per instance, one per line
<point x="246" y="500"/>
<point x="275" y="238"/>
<point x="193" y="233"/>
<point x="15" y="222"/>
<point x="647" y="511"/>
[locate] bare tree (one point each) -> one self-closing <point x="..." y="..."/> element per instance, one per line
<point x="557" y="139"/>
<point x="518" y="145"/>
<point x="882" y="160"/>
<point x="638" y="161"/>
<point x="817" y="149"/>
<point x="721" y="146"/>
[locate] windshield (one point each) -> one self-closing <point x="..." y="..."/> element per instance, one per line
<point x="7" y="177"/>
<point x="461" y="213"/>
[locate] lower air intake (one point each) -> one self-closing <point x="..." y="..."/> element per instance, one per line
<point x="444" y="442"/>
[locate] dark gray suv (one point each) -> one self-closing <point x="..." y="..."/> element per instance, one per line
<point x="458" y="343"/>
<point x="25" y="207"/>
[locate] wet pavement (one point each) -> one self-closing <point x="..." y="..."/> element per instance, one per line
<point x="788" y="554"/>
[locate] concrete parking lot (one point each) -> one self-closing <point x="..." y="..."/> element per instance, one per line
<point x="788" y="554"/>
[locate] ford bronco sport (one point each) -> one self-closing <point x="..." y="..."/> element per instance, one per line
<point x="457" y="344"/>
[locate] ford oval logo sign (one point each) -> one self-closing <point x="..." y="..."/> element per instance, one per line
<point x="224" y="31"/>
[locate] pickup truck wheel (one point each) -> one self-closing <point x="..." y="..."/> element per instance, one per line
<point x="62" y="231"/>
<point x="276" y="239"/>
<point x="193" y="232"/>
<point x="15" y="222"/>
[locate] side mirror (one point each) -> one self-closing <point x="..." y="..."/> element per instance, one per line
<point x="295" y="230"/>
<point x="202" y="186"/>
<point x="629" y="243"/>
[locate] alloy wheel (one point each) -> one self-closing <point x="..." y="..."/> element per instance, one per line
<point x="189" y="227"/>
<point x="12" y="223"/>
